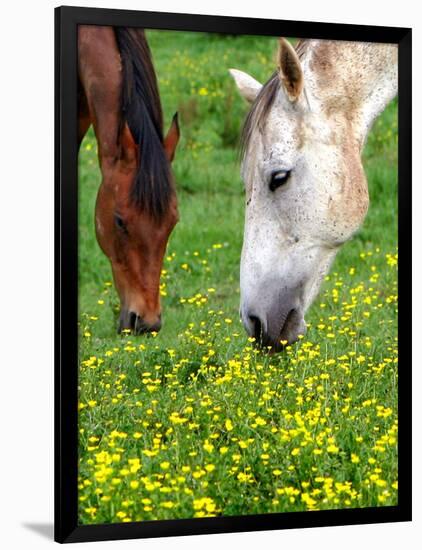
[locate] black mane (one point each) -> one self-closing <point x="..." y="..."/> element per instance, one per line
<point x="141" y="109"/>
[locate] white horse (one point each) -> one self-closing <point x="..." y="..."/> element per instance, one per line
<point x="306" y="191"/>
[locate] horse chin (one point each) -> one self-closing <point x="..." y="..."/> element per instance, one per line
<point x="293" y="328"/>
<point x="274" y="339"/>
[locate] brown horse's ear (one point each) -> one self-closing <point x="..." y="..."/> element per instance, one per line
<point x="290" y="70"/>
<point x="172" y="138"/>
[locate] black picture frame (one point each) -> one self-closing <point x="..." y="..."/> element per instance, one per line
<point x="66" y="274"/>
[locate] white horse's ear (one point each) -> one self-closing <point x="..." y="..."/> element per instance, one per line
<point x="290" y="70"/>
<point x="248" y="87"/>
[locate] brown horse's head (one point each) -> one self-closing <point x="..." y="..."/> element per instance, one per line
<point x="136" y="211"/>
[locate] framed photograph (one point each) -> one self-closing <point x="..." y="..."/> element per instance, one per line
<point x="232" y="214"/>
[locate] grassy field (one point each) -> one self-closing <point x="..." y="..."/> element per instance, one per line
<point x="195" y="421"/>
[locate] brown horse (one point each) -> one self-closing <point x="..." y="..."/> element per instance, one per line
<point x="136" y="207"/>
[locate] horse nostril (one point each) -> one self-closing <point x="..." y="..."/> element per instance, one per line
<point x="256" y="327"/>
<point x="132" y="320"/>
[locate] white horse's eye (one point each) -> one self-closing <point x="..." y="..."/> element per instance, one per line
<point x="278" y="179"/>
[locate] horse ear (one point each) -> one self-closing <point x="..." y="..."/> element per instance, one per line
<point x="248" y="87"/>
<point x="290" y="70"/>
<point x="172" y="138"/>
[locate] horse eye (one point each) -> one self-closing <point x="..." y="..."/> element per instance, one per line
<point x="278" y="179"/>
<point x="120" y="223"/>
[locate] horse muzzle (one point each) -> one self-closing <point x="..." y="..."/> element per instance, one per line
<point x="274" y="322"/>
<point x="133" y="322"/>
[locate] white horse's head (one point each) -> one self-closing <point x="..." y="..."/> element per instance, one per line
<point x="306" y="191"/>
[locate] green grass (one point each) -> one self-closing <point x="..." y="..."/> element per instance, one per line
<point x="196" y="421"/>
